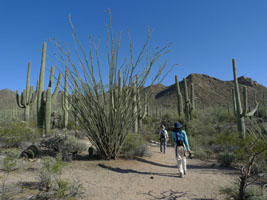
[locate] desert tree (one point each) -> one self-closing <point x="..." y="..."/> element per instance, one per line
<point x="255" y="148"/>
<point x="104" y="106"/>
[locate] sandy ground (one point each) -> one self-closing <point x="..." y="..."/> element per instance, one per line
<point x="152" y="177"/>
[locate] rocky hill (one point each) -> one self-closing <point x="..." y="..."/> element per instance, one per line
<point x="209" y="91"/>
<point x="7" y="99"/>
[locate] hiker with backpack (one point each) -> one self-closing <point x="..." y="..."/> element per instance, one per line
<point x="181" y="145"/>
<point x="163" y="138"/>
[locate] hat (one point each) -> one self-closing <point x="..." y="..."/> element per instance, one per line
<point x="177" y="125"/>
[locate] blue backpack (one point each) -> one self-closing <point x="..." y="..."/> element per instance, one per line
<point x="179" y="138"/>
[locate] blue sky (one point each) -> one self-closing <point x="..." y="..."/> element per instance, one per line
<point x="205" y="34"/>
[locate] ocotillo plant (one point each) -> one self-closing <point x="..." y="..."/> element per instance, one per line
<point x="28" y="96"/>
<point x="179" y="97"/>
<point x="66" y="101"/>
<point x="75" y="112"/>
<point x="135" y="125"/>
<point x="241" y="114"/>
<point x="107" y="123"/>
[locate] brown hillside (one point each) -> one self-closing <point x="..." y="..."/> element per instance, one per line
<point x="210" y="91"/>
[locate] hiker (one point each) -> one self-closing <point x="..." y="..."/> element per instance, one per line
<point x="163" y="138"/>
<point x="181" y="145"/>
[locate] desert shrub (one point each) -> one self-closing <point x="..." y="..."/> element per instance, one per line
<point x="49" y="172"/>
<point x="50" y="183"/>
<point x="14" y="133"/>
<point x="202" y="153"/>
<point x="8" y="163"/>
<point x="66" y="146"/>
<point x="252" y="193"/>
<point x="134" y="145"/>
<point x="10" y="160"/>
<point x="226" y="158"/>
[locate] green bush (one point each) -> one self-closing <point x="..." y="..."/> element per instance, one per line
<point x="133" y="146"/>
<point x="226" y="158"/>
<point x="16" y="132"/>
<point x="10" y="160"/>
<point x="202" y="153"/>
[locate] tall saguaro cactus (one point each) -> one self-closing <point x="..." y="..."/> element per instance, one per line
<point x="193" y="106"/>
<point x="179" y="97"/>
<point x="42" y="112"/>
<point x="241" y="114"/>
<point x="65" y="101"/>
<point x="40" y="102"/>
<point x="48" y="104"/>
<point x="141" y="109"/>
<point x="28" y="96"/>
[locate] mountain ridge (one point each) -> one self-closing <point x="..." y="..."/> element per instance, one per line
<point x="209" y="91"/>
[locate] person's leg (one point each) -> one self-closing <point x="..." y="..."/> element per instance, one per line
<point x="180" y="154"/>
<point x="160" y="145"/>
<point x="184" y="164"/>
<point x="165" y="145"/>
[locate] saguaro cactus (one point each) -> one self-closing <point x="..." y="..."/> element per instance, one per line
<point x="41" y="97"/>
<point x="179" y="97"/>
<point x="187" y="102"/>
<point x="48" y="98"/>
<point x="141" y="109"/>
<point x="66" y="101"/>
<point x="28" y="96"/>
<point x="193" y="106"/>
<point x="48" y="111"/>
<point x="40" y="103"/>
<point x="241" y="114"/>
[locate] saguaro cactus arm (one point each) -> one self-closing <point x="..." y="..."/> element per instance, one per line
<point x="251" y="113"/>
<point x="19" y="99"/>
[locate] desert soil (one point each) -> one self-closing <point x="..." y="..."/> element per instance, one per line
<point x="154" y="177"/>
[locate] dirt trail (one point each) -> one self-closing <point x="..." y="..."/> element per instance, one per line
<point x="152" y="177"/>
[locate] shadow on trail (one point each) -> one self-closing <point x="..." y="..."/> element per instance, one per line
<point x="171" y="195"/>
<point x="126" y="171"/>
<point x="154" y="163"/>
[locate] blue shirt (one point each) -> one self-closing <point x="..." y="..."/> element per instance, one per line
<point x="185" y="139"/>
